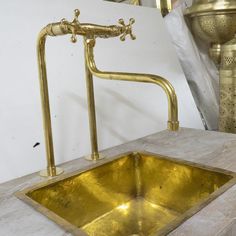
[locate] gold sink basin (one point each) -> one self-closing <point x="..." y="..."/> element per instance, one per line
<point x="133" y="194"/>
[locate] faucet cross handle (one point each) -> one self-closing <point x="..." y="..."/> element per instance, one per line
<point x="75" y="22"/>
<point x="127" y="29"/>
<point x="76" y="13"/>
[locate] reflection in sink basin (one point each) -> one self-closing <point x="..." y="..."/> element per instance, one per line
<point x="133" y="194"/>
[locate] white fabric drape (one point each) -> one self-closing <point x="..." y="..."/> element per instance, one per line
<point x="200" y="71"/>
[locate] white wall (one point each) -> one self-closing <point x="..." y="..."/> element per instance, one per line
<point x="125" y="111"/>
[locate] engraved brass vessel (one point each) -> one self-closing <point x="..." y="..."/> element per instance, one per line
<point x="227" y="117"/>
<point x="133" y="194"/>
<point x="214" y="21"/>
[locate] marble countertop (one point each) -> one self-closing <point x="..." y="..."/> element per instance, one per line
<point x="204" y="147"/>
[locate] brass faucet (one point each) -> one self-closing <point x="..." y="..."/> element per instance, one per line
<point x="165" y="6"/>
<point x="90" y="32"/>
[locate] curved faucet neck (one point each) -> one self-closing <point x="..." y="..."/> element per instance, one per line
<point x="173" y="123"/>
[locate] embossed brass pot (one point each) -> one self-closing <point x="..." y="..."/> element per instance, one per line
<point x="227" y="121"/>
<point x="213" y="21"/>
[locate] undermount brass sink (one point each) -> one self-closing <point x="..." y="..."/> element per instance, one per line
<point x="133" y="194"/>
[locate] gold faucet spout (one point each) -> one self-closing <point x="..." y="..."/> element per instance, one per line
<point x="90" y="32"/>
<point x="173" y="123"/>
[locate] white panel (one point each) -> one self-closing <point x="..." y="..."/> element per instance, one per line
<point x="125" y="111"/>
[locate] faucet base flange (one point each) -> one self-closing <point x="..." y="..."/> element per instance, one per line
<point x="173" y="125"/>
<point x="92" y="157"/>
<point x="46" y="173"/>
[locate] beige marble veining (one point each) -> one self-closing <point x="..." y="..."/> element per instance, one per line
<point x="210" y="148"/>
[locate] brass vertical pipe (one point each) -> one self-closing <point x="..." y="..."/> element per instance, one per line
<point x="51" y="170"/>
<point x="136" y="2"/>
<point x="227" y="114"/>
<point x="91" y="113"/>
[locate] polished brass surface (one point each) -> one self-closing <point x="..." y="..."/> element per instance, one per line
<point x="205" y="7"/>
<point x="92" y="115"/>
<point x="55" y="171"/>
<point x="173" y="123"/>
<point x="133" y="2"/>
<point x="136" y="2"/>
<point x="74" y="28"/>
<point x="51" y="170"/>
<point x="227" y="120"/>
<point x="214" y="22"/>
<point x="165" y="6"/>
<point x="131" y="194"/>
<point x="90" y="32"/>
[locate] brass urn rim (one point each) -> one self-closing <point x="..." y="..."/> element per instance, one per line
<point x="203" y="7"/>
